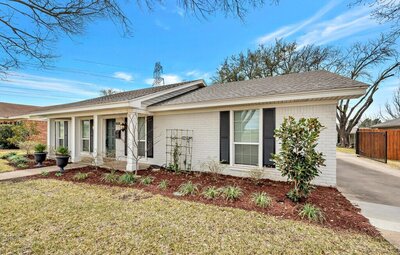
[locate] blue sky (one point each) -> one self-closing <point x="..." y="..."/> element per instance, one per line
<point x="187" y="47"/>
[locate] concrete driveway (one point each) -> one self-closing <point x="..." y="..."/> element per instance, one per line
<point x="375" y="188"/>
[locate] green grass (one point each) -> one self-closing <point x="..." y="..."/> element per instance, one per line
<point x="346" y="150"/>
<point x="56" y="217"/>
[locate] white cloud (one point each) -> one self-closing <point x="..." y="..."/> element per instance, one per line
<point x="168" y="79"/>
<point x="123" y="76"/>
<point x="344" y="25"/>
<point x="197" y="74"/>
<point x="291" y="29"/>
<point x="180" y="11"/>
<point x="47" y="85"/>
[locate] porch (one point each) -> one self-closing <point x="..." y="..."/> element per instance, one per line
<point x="118" y="140"/>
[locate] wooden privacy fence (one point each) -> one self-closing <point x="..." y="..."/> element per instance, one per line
<point x="378" y="144"/>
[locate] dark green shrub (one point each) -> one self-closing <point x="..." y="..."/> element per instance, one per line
<point x="261" y="199"/>
<point x="298" y="160"/>
<point x="211" y="192"/>
<point x="6" y="133"/>
<point x="62" y="151"/>
<point x="232" y="192"/>
<point x="127" y="178"/>
<point x="17" y="160"/>
<point x="312" y="213"/>
<point x="188" y="188"/>
<point x="40" y="148"/>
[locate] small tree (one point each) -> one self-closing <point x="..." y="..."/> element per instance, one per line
<point x="298" y="159"/>
<point x="23" y="132"/>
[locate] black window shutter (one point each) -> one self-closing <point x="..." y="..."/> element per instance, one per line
<point x="268" y="136"/>
<point x="150" y="137"/>
<point x="224" y="130"/>
<point x="66" y="134"/>
<point x="126" y="137"/>
<point x="91" y="135"/>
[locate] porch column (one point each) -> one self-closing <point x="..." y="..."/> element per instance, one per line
<point x="132" y="134"/>
<point x="72" y="148"/>
<point x="49" y="135"/>
<point x="97" y="153"/>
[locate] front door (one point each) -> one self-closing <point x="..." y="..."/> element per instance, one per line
<point x="110" y="138"/>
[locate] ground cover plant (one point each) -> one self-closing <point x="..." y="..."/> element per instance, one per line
<point x="57" y="217"/>
<point x="339" y="213"/>
<point x="11" y="160"/>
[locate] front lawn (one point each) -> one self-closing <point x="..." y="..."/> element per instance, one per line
<point x="346" y="150"/>
<point x="58" y="217"/>
<point x="4" y="164"/>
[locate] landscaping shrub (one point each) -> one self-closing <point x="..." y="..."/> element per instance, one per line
<point x="232" y="192"/>
<point x="58" y="174"/>
<point x="298" y="160"/>
<point x="6" y="133"/>
<point x="111" y="177"/>
<point x="27" y="146"/>
<point x="256" y="174"/>
<point x="40" y="148"/>
<point x="127" y="178"/>
<point x="211" y="192"/>
<point x="163" y="184"/>
<point x="18" y="160"/>
<point x="147" y="180"/>
<point x="261" y="199"/>
<point x="23" y="132"/>
<point x="188" y="188"/>
<point x="312" y="213"/>
<point x="7" y="155"/>
<point x="79" y="176"/>
<point x="62" y="151"/>
<point x="214" y="166"/>
<point x="45" y="173"/>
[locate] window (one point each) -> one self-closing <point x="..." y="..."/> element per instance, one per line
<point x="246" y="137"/>
<point x="142" y="136"/>
<point x="85" y="135"/>
<point x="60" y="134"/>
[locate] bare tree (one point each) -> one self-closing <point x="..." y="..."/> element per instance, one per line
<point x="393" y="109"/>
<point x="361" y="61"/>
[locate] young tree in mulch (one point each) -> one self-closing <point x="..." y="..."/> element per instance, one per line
<point x="298" y="159"/>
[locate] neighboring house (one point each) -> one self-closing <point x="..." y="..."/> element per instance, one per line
<point x="15" y="114"/>
<point x="390" y="124"/>
<point x="232" y="122"/>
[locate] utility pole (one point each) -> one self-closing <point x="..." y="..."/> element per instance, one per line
<point x="158" y="70"/>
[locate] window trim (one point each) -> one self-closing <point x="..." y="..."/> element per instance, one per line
<point x="84" y="139"/>
<point x="58" y="138"/>
<point x="233" y="143"/>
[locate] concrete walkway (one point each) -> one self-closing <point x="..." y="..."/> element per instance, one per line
<point x="34" y="171"/>
<point x="375" y="188"/>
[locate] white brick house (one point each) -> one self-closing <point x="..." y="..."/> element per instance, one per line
<point x="231" y="122"/>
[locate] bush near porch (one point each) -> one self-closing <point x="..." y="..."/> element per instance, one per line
<point x="55" y="217"/>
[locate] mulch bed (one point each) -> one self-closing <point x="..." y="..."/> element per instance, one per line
<point x="339" y="213"/>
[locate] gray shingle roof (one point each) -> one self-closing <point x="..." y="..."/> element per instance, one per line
<point x="284" y="84"/>
<point x="118" y="97"/>
<point x="388" y="124"/>
<point x="9" y="110"/>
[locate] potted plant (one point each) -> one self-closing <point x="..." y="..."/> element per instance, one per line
<point x="62" y="157"/>
<point x="40" y="154"/>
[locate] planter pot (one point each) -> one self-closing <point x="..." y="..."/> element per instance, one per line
<point x="62" y="161"/>
<point x="40" y="157"/>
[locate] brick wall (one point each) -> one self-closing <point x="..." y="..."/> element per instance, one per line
<point x="206" y="138"/>
<point x="42" y="128"/>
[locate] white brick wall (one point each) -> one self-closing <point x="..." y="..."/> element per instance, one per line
<point x="206" y="138"/>
<point x="205" y="128"/>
